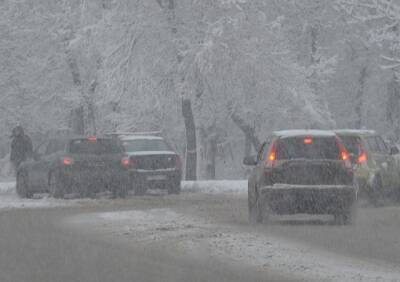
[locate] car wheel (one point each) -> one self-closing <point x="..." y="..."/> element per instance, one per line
<point x="22" y="185"/>
<point x="120" y="190"/>
<point x="255" y="215"/>
<point x="123" y="191"/>
<point x="57" y="187"/>
<point x="174" y="188"/>
<point x="345" y="218"/>
<point x="341" y="219"/>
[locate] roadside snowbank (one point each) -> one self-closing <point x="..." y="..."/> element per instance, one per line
<point x="216" y="186"/>
<point x="197" y="236"/>
<point x="7" y="187"/>
<point x="6" y="169"/>
<point x="10" y="200"/>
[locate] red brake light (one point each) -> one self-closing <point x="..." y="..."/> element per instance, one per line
<point x="125" y="162"/>
<point x="308" y="141"/>
<point x="92" y="138"/>
<point x="271" y="155"/>
<point x="362" y="158"/>
<point x="68" y="161"/>
<point x="344" y="155"/>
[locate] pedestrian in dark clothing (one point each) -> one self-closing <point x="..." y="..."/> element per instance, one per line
<point x="21" y="147"/>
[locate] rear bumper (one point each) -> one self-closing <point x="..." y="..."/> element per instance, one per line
<point x="101" y="178"/>
<point x="155" y="179"/>
<point x="310" y="199"/>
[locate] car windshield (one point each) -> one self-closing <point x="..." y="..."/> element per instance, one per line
<point x="352" y="144"/>
<point x="99" y="146"/>
<point x="139" y="145"/>
<point x="307" y="148"/>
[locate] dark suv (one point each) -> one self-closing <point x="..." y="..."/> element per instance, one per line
<point x="82" y="165"/>
<point x="301" y="171"/>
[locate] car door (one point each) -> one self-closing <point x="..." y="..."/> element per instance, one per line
<point x="54" y="149"/>
<point x="261" y="157"/>
<point x="388" y="163"/>
<point x="47" y="153"/>
<point x="36" y="167"/>
<point x="380" y="159"/>
<point x="254" y="177"/>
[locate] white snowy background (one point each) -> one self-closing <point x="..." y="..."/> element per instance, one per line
<point x="275" y="64"/>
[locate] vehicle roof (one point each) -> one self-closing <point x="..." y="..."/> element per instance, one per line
<point x="69" y="137"/>
<point x="303" y="132"/>
<point x="122" y="134"/>
<point x="141" y="137"/>
<point x="80" y="137"/>
<point x="355" y="132"/>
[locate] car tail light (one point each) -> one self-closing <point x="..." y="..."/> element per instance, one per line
<point x="178" y="162"/>
<point x="343" y="154"/>
<point x="92" y="138"/>
<point x="362" y="158"/>
<point x="271" y="157"/>
<point x="67" y="161"/>
<point x="308" y="141"/>
<point x="128" y="162"/>
<point x="125" y="162"/>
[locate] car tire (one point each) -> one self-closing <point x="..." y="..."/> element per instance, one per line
<point x="120" y="190"/>
<point x="255" y="215"/>
<point x="342" y="219"/>
<point x="175" y="188"/>
<point x="22" y="186"/>
<point x="56" y="186"/>
<point x="345" y="218"/>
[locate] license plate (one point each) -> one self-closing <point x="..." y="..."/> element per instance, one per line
<point x="157" y="177"/>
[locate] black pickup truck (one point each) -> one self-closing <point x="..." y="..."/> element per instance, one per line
<point x="75" y="165"/>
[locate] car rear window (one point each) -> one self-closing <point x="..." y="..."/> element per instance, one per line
<point x="307" y="148"/>
<point x="139" y="145"/>
<point x="99" y="146"/>
<point x="352" y="144"/>
<point x="55" y="146"/>
<point x="376" y="144"/>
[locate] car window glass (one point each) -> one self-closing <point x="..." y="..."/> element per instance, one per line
<point x="263" y="151"/>
<point x="99" y="146"/>
<point x="55" y="146"/>
<point x="307" y="148"/>
<point x="140" y="145"/>
<point x="372" y="145"/>
<point x="381" y="145"/>
<point x="352" y="144"/>
<point x="41" y="149"/>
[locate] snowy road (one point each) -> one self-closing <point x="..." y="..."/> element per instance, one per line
<point x="207" y="226"/>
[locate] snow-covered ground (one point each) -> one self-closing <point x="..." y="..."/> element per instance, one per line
<point x="197" y="236"/>
<point x="10" y="200"/>
<point x="216" y="186"/>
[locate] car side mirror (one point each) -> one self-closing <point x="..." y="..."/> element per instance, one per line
<point x="250" y="160"/>
<point x="394" y="150"/>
